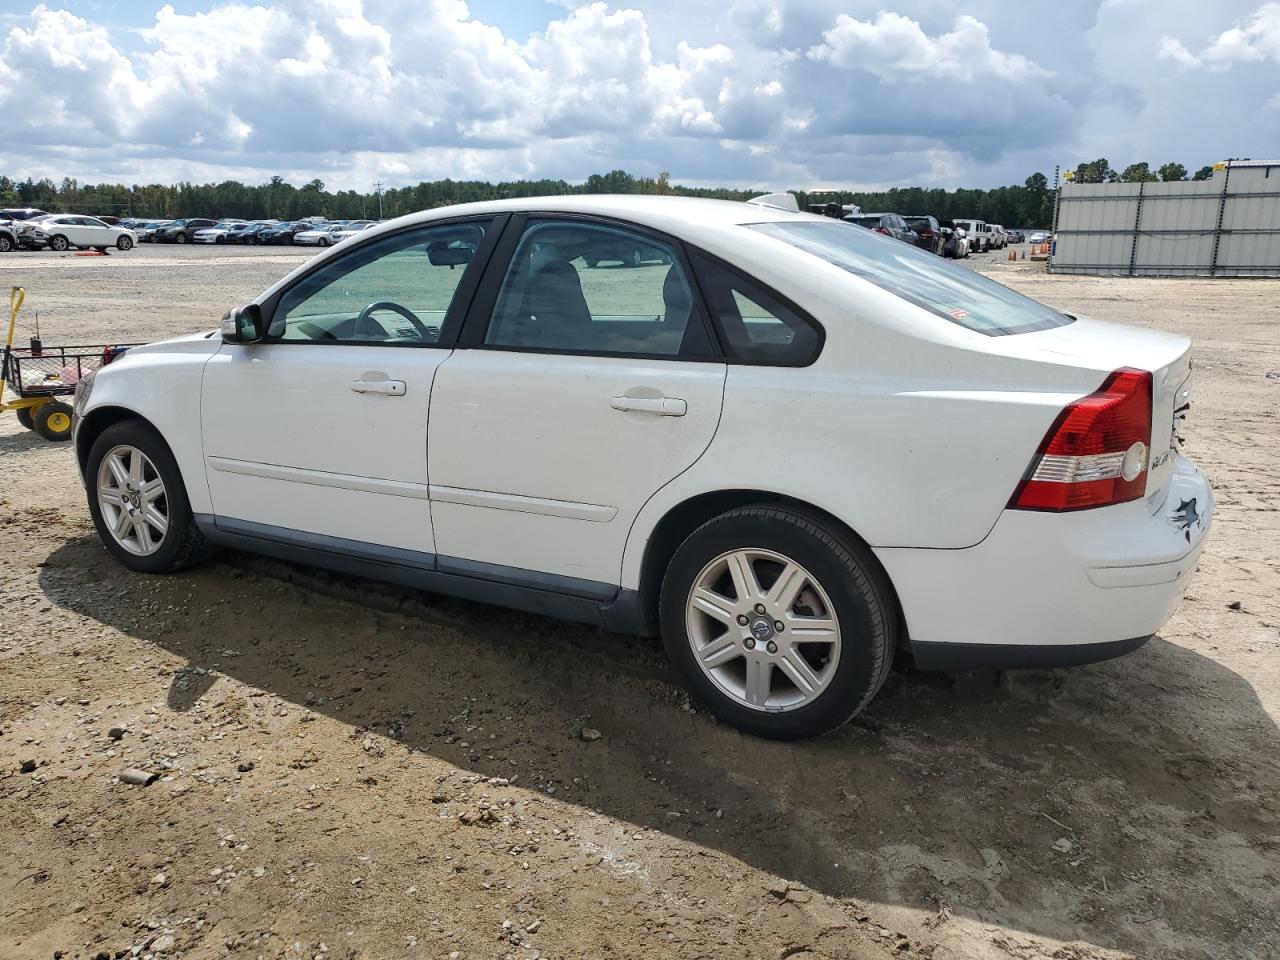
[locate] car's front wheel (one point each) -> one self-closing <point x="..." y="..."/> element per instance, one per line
<point x="138" y="502"/>
<point x="58" y="243"/>
<point x="781" y="624"/>
<point x="124" y="243"/>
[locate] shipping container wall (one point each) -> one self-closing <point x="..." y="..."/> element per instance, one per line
<point x="1227" y="226"/>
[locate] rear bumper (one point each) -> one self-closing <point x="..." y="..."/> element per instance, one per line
<point x="961" y="657"/>
<point x="1047" y="589"/>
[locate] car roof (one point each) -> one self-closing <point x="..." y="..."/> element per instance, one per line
<point x="678" y="214"/>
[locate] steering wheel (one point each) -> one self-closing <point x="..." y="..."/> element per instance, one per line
<point x="405" y="312"/>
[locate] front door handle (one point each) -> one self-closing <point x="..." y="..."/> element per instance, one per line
<point x="390" y="388"/>
<point x="662" y="406"/>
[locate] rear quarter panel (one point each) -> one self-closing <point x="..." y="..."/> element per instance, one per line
<point x="911" y="430"/>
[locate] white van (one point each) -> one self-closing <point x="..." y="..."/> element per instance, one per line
<point x="980" y="235"/>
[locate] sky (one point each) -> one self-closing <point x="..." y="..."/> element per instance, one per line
<point x="771" y="94"/>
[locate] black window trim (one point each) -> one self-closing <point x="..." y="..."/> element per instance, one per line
<point x="480" y="315"/>
<point x="463" y="294"/>
<point x="804" y="315"/>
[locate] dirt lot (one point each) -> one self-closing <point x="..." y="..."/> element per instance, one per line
<point x="353" y="771"/>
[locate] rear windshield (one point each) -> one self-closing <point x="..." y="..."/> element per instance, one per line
<point x="917" y="276"/>
<point x="872" y="222"/>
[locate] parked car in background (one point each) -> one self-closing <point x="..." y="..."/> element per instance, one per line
<point x="21" y="213"/>
<point x="215" y="234"/>
<point x="889" y="224"/>
<point x="322" y="236"/>
<point x="61" y="231"/>
<point x="1016" y="236"/>
<point x="955" y="244"/>
<point x="999" y="238"/>
<point x="1038" y="237"/>
<point x="284" y="232"/>
<point x="979" y="234"/>
<point x="182" y="231"/>
<point x="248" y="233"/>
<point x="351" y="229"/>
<point x="146" y="230"/>
<point x="928" y="233"/>
<point x="940" y="473"/>
<point x="110" y="220"/>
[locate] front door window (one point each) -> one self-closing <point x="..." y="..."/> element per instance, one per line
<point x="396" y="290"/>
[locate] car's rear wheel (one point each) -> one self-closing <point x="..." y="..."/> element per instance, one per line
<point x="58" y="243"/>
<point x="124" y="243"/>
<point x="782" y="625"/>
<point x="138" y="502"/>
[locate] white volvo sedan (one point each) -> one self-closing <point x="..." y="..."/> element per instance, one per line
<point x="794" y="448"/>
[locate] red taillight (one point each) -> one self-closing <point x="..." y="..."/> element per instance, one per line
<point x="882" y="230"/>
<point x="1096" y="452"/>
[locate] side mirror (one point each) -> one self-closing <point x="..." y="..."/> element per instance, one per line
<point x="243" y="324"/>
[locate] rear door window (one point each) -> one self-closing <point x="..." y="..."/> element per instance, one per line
<point x="576" y="287"/>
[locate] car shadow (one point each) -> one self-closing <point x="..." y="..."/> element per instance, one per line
<point x="1069" y="804"/>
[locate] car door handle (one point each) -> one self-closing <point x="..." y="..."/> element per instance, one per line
<point x="662" y="406"/>
<point x="390" y="388"/>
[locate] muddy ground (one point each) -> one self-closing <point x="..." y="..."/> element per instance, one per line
<point x="348" y="770"/>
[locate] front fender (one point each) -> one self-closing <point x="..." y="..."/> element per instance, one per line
<point x="159" y="383"/>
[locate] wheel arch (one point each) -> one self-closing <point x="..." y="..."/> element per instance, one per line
<point x="683" y="518"/>
<point x="93" y="423"/>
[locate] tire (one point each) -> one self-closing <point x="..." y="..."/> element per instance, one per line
<point x="58" y="243"/>
<point x="6" y="244"/>
<point x="124" y="243"/>
<point x="591" y="262"/>
<point x="52" y="421"/>
<point x="180" y="238"/>
<point x="635" y="259"/>
<point x="839" y="574"/>
<point x="25" y="418"/>
<point x="182" y="544"/>
<point x="324" y="242"/>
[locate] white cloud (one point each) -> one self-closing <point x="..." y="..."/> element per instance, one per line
<point x="754" y="92"/>
<point x="894" y="47"/>
<point x="1255" y="42"/>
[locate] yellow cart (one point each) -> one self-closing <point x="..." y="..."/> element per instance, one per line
<point x="38" y="376"/>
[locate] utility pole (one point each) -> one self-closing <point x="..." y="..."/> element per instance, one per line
<point x="378" y="187"/>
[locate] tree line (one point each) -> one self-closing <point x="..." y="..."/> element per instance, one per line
<point x="1027" y="205"/>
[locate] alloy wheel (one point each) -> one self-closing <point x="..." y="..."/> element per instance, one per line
<point x="763" y="630"/>
<point x="133" y="500"/>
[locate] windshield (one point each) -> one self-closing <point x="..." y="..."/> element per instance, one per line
<point x="952" y="292"/>
<point x="871" y="222"/>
